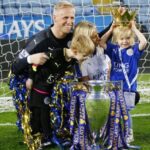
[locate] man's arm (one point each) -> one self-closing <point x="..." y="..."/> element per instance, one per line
<point x="21" y="63"/>
<point x="33" y="53"/>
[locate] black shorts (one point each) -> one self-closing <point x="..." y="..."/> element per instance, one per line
<point x="36" y="99"/>
<point x="137" y="97"/>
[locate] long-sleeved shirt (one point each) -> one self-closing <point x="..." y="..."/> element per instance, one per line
<point x="41" y="42"/>
<point x="51" y="71"/>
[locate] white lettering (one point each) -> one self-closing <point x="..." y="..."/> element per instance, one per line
<point x="26" y="27"/>
<point x="38" y="24"/>
<point x="14" y="29"/>
<point x="22" y="28"/>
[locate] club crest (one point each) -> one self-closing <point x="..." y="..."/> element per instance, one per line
<point x="130" y="52"/>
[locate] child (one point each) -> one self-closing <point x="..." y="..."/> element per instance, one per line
<point x="125" y="54"/>
<point x="42" y="80"/>
<point x="96" y="67"/>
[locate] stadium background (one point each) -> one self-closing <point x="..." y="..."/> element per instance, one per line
<point x="21" y="19"/>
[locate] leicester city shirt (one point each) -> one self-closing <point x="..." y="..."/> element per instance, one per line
<point x="129" y="57"/>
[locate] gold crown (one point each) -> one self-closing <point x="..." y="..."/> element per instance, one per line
<point x="123" y="19"/>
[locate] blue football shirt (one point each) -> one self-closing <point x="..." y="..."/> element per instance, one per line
<point x="130" y="57"/>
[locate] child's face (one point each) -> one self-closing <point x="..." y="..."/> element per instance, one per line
<point x="81" y="56"/>
<point x="124" y="41"/>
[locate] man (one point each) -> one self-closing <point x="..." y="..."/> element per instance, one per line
<point x="57" y="35"/>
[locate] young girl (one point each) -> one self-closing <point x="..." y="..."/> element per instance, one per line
<point x="42" y="80"/>
<point x="96" y="67"/>
<point x="125" y="54"/>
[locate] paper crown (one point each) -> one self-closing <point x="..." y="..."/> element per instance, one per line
<point x="123" y="19"/>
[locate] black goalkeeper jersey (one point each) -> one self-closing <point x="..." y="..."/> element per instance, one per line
<point x="41" y="42"/>
<point x="51" y="71"/>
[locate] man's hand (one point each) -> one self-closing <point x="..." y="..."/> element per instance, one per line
<point x="38" y="59"/>
<point x="29" y="84"/>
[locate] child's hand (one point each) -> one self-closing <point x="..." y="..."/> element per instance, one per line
<point x="29" y="84"/>
<point x="133" y="24"/>
<point x="113" y="26"/>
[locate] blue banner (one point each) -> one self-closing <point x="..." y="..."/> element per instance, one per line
<point x="20" y="27"/>
<point x="24" y="26"/>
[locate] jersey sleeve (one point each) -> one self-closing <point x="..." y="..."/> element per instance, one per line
<point x="18" y="65"/>
<point x="138" y="53"/>
<point x="32" y="46"/>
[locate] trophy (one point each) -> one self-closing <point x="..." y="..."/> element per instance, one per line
<point x="97" y="104"/>
<point x="98" y="115"/>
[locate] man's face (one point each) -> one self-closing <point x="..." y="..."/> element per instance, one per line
<point x="64" y="19"/>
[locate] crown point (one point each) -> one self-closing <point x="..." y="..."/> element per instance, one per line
<point x="123" y="18"/>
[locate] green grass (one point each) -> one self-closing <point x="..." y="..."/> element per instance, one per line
<point x="11" y="138"/>
<point x="141" y="126"/>
<point x="4" y="88"/>
<point x="8" y="117"/>
<point x="144" y="109"/>
<point x="141" y="129"/>
<point x="144" y="77"/>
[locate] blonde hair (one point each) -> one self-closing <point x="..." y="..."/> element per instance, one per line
<point x="83" y="44"/>
<point x="61" y="5"/>
<point x="123" y="31"/>
<point x="85" y="28"/>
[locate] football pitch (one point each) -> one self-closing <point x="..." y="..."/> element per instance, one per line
<point x="12" y="139"/>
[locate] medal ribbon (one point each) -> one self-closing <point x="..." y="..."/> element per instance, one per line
<point x="125" y="117"/>
<point x="79" y="128"/>
<point x="110" y="126"/>
<point x="114" y="134"/>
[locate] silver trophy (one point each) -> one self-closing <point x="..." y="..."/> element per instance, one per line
<point x="100" y="109"/>
<point x="97" y="105"/>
